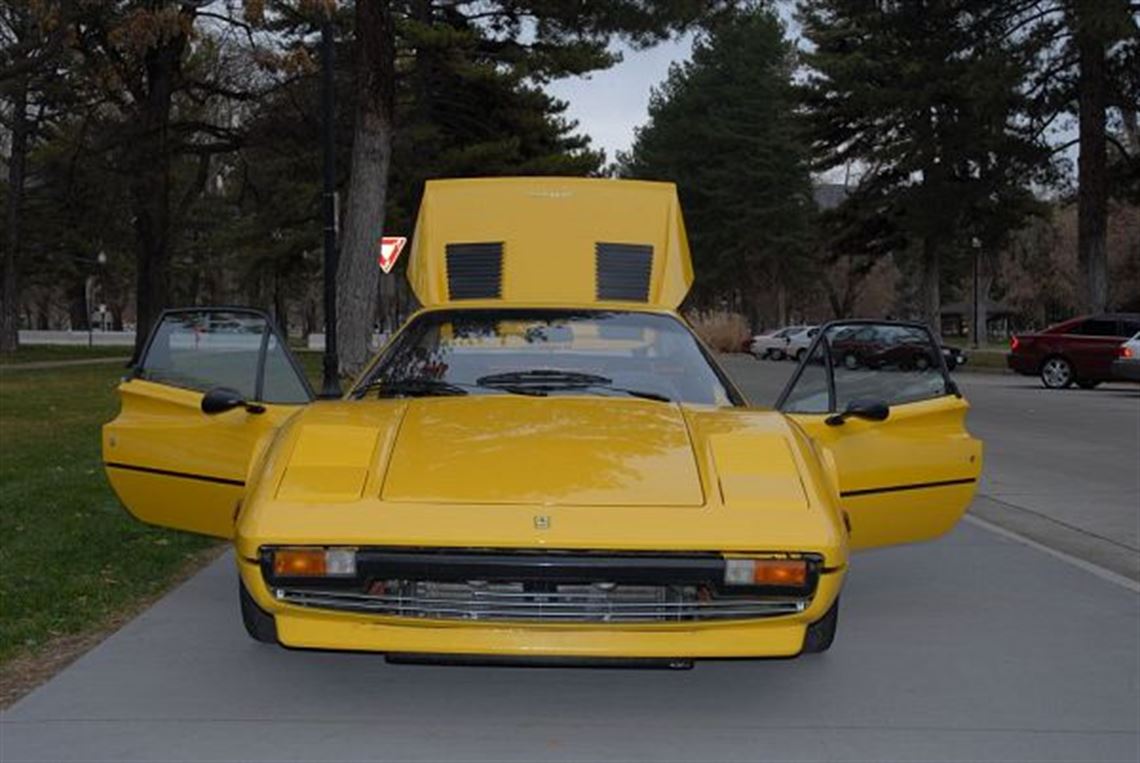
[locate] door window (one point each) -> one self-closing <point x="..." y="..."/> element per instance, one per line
<point x="811" y="392"/>
<point x="203" y="349"/>
<point x="892" y="363"/>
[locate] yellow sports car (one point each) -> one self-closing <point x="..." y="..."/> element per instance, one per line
<point x="544" y="463"/>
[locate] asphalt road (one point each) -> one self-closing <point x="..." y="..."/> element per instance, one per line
<point x="977" y="646"/>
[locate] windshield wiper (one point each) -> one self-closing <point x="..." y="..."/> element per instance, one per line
<point x="542" y="377"/>
<point x="413" y="386"/>
<point x="421" y="386"/>
<point x="552" y="380"/>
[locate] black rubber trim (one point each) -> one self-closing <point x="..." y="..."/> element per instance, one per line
<point x="538" y="661"/>
<point x="181" y="475"/>
<point x="899" y="488"/>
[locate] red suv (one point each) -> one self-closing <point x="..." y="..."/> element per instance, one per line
<point x="1080" y="350"/>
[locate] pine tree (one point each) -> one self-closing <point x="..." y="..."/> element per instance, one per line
<point x="723" y="127"/>
<point x="926" y="99"/>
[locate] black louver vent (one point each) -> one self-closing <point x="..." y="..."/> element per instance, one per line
<point x="475" y="271"/>
<point x="623" y="271"/>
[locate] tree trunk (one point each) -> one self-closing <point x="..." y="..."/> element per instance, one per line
<point x="931" y="296"/>
<point x="357" y="271"/>
<point x="17" y="164"/>
<point x="1092" y="198"/>
<point x="150" y="187"/>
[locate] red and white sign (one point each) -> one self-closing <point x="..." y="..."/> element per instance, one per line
<point x="390" y="248"/>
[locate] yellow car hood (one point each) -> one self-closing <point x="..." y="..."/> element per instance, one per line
<point x="558" y="472"/>
<point x="543" y="451"/>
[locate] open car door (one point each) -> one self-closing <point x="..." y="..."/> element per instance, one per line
<point x="889" y="426"/>
<point x="211" y="388"/>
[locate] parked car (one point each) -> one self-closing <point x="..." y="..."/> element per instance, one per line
<point x="773" y="344"/>
<point x="799" y="342"/>
<point x="954" y="357"/>
<point x="1126" y="366"/>
<point x="876" y="346"/>
<point x="1080" y="350"/>
<point x="524" y="472"/>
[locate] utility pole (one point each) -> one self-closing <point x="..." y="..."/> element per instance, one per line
<point x="330" y="387"/>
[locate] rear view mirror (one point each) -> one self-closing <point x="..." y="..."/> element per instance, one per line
<point x="872" y="410"/>
<point x="222" y="399"/>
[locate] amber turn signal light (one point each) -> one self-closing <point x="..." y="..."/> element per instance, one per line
<point x="299" y="562"/>
<point x="314" y="562"/>
<point x="790" y="573"/>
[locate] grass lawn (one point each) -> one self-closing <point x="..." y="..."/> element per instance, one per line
<point x="71" y="559"/>
<point x="42" y="353"/>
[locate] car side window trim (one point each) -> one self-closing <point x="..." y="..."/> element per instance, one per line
<point x="137" y="368"/>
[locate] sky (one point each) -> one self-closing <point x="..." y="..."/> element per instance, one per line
<point x="609" y="104"/>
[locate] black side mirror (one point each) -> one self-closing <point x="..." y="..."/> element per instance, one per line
<point x="222" y="399"/>
<point x="872" y="410"/>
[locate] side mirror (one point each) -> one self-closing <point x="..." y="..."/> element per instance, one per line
<point x="222" y="399"/>
<point x="872" y="410"/>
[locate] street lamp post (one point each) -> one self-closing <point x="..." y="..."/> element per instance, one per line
<point x="976" y="245"/>
<point x="89" y="294"/>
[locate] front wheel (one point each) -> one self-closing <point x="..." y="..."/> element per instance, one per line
<point x="1057" y="373"/>
<point x="821" y="633"/>
<point x="258" y="623"/>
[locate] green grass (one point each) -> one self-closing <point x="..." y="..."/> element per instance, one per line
<point x="70" y="557"/>
<point x="42" y="353"/>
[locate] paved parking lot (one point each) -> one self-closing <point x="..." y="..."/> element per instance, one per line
<point x="973" y="647"/>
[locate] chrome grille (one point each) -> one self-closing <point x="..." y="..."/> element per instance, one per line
<point x="562" y="603"/>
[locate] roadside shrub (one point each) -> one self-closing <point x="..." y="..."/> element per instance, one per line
<point x="720" y="330"/>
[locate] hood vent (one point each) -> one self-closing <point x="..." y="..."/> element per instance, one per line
<point x="475" y="271"/>
<point x="623" y="271"/>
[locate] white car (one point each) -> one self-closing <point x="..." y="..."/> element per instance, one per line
<point x="1126" y="366"/>
<point x="800" y="341"/>
<point x="772" y="344"/>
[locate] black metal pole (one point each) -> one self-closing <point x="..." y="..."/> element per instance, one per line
<point x="974" y="319"/>
<point x="331" y="384"/>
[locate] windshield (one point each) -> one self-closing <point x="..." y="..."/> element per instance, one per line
<point x="547" y="352"/>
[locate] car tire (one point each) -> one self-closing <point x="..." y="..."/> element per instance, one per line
<point x="1088" y="384"/>
<point x="800" y="354"/>
<point x="821" y="633"/>
<point x="1057" y="372"/>
<point x="259" y="624"/>
<point x="850" y="361"/>
<point x="777" y="355"/>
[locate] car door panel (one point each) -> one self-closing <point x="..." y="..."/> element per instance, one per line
<point x="905" y="479"/>
<point x="909" y="478"/>
<point x="170" y="463"/>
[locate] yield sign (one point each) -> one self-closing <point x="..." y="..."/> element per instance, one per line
<point x="390" y="248"/>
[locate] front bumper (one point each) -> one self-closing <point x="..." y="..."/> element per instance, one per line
<point x="316" y="628"/>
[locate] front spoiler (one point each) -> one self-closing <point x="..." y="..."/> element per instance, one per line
<point x="308" y="628"/>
